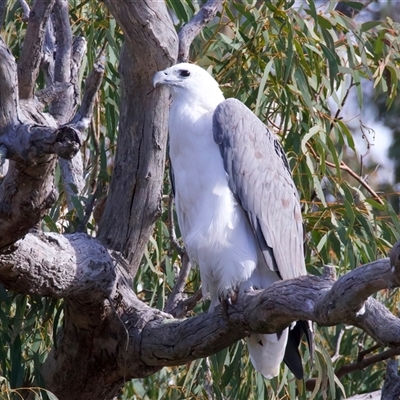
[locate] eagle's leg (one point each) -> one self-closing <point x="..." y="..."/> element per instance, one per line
<point x="228" y="297"/>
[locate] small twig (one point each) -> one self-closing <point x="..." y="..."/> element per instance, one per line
<point x="191" y="302"/>
<point x="344" y="167"/>
<point x="363" y="353"/>
<point x="366" y="362"/>
<point x="171" y="227"/>
<point x="357" y="366"/>
<point x="189" y="31"/>
<point x="338" y="342"/>
<point x="339" y="110"/>
<point x="177" y="293"/>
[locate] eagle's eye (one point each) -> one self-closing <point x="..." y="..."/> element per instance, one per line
<point x="184" y="72"/>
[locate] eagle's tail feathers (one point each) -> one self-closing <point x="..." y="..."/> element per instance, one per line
<point x="267" y="352"/>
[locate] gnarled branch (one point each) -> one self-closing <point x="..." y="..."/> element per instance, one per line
<point x="167" y="341"/>
<point x="189" y="31"/>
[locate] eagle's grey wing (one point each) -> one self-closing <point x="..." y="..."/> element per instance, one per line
<point x="260" y="178"/>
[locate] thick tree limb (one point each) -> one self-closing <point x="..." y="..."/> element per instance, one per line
<point x="9" y="104"/>
<point x="134" y="201"/>
<point x="49" y="50"/>
<point x="64" y="142"/>
<point x="175" y="341"/>
<point x="189" y="31"/>
<point x="72" y="170"/>
<point x="26" y="190"/>
<point x="63" y="107"/>
<point x="49" y="264"/>
<point x="31" y="53"/>
<point x="273" y="309"/>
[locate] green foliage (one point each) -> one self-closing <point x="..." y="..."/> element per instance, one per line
<point x="27" y="324"/>
<point x="285" y="64"/>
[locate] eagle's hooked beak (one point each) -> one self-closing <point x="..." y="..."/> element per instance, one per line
<point x="167" y="77"/>
<point x="160" y="78"/>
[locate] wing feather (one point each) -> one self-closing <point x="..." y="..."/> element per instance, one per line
<point x="260" y="178"/>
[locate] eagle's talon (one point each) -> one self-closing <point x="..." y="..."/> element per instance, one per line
<point x="228" y="297"/>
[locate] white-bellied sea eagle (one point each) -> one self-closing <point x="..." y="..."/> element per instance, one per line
<point x="237" y="206"/>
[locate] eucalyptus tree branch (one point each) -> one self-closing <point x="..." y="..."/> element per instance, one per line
<point x="50" y="93"/>
<point x="32" y="140"/>
<point x="99" y="298"/>
<point x="83" y="116"/>
<point x="171" y="227"/>
<point x="68" y="60"/>
<point x="32" y="143"/>
<point x="271" y="310"/>
<point x="344" y="167"/>
<point x="177" y="297"/>
<point x="9" y="90"/>
<point x="62" y="107"/>
<point x="189" y="31"/>
<point x="134" y="197"/>
<point x="50" y="264"/>
<point x="72" y="170"/>
<point x="49" y="51"/>
<point x="177" y="341"/>
<point x="25" y="10"/>
<point x="31" y="53"/>
<point x="27" y="189"/>
<point x="79" y="47"/>
<point x="366" y="362"/>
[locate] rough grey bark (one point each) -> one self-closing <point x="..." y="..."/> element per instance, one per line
<point x="109" y="335"/>
<point x="391" y="387"/>
<point x="139" y="165"/>
<point x="31" y="53"/>
<point x="32" y="139"/>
